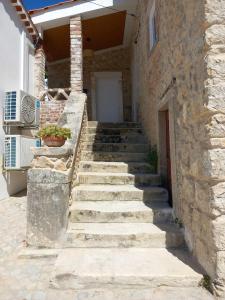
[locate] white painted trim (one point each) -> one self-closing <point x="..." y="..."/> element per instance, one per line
<point x="68" y="11"/>
<point x="22" y="68"/>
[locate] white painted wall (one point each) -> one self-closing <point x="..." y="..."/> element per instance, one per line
<point x="14" y="65"/>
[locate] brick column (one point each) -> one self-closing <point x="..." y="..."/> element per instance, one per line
<point x="39" y="70"/>
<point x="76" y="52"/>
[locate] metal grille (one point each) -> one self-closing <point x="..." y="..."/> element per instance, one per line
<point x="10" y="106"/>
<point x="10" y="152"/>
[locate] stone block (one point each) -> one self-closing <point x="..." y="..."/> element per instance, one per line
<point x="47" y="208"/>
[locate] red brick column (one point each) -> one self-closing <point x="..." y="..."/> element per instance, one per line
<point x="76" y="49"/>
<point x="39" y="71"/>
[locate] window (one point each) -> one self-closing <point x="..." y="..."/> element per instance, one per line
<point x="153" y="37"/>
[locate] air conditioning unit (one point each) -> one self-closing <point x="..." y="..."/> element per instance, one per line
<point x="17" y="152"/>
<point x="21" y="109"/>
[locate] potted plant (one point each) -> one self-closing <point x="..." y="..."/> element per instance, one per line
<point x="54" y="136"/>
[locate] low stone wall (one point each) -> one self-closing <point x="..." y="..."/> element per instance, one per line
<point x="50" y="179"/>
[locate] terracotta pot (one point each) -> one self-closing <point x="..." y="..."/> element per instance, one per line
<point x="54" y="141"/>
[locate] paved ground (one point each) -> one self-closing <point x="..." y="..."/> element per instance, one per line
<point x="28" y="279"/>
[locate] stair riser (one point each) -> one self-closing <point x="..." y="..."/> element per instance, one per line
<point x="129" y="138"/>
<point x="137" y="148"/>
<point x="90" y="216"/>
<point x="126" y="282"/>
<point x="114" y="131"/>
<point x="81" y="195"/>
<point x="118" y="180"/>
<point x="84" y="240"/>
<point x="113" y="157"/>
<point x="103" y="168"/>
<point x="114" y="125"/>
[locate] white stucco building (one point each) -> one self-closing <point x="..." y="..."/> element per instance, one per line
<point x="16" y="73"/>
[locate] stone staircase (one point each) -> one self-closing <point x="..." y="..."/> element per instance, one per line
<point x="121" y="233"/>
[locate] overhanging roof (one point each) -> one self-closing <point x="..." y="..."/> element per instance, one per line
<point x="25" y="19"/>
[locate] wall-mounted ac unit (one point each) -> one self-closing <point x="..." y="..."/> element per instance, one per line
<point x="18" y="154"/>
<point x="21" y="109"/>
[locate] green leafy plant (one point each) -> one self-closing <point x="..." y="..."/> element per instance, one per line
<point x="153" y="159"/>
<point x="206" y="283"/>
<point x="178" y="222"/>
<point x="53" y="130"/>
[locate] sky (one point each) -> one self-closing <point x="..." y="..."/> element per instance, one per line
<point x="32" y="4"/>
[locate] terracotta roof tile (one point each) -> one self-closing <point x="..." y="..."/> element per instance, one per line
<point x="25" y="19"/>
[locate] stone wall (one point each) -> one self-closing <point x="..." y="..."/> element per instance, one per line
<point x="185" y="74"/>
<point x="59" y="74"/>
<point x="51" y="111"/>
<point x="110" y="61"/>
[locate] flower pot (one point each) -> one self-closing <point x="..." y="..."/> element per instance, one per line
<point x="54" y="141"/>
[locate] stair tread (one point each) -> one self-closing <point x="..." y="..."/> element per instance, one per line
<point x="117" y="188"/>
<point x="123" y="228"/>
<point x="135" y="266"/>
<point x="117" y="174"/>
<point x="113" y="163"/>
<point x="119" y="206"/>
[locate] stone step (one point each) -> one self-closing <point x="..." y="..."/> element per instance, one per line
<point x="114" y="125"/>
<point x="119" y="193"/>
<point x="118" y="178"/>
<point x="113" y="131"/>
<point x="114" y="167"/>
<point x="120" y="138"/>
<point x="124" y="268"/>
<point x="114" y="156"/>
<point x="110" y="235"/>
<point x="159" y="293"/>
<point x="115" y="147"/>
<point x="120" y="212"/>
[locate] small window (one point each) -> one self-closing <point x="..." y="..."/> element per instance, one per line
<point x="153" y="37"/>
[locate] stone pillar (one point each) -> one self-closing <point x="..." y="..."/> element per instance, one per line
<point x="39" y="70"/>
<point x="48" y="194"/>
<point x="76" y="52"/>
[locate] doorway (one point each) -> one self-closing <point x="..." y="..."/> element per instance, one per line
<point x="108" y="102"/>
<point x="165" y="151"/>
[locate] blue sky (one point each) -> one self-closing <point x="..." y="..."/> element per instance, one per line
<point x="31" y="4"/>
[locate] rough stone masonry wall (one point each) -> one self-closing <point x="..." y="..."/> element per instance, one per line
<point x="191" y="48"/>
<point x="51" y="111"/>
<point x="111" y="61"/>
<point x="59" y="74"/>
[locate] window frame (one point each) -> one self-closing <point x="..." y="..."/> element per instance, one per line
<point x="152" y="28"/>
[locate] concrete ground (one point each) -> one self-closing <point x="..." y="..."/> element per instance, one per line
<point x="28" y="279"/>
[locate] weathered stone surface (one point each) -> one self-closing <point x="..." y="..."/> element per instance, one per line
<point x="52" y="151"/>
<point x="119" y="192"/>
<point x="124" y="235"/>
<point x="119" y="212"/>
<point x="47" y="213"/>
<point x="47" y="176"/>
<point x="100" y="267"/>
<point x="119" y="178"/>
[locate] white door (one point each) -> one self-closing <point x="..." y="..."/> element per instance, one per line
<point x="108" y="97"/>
